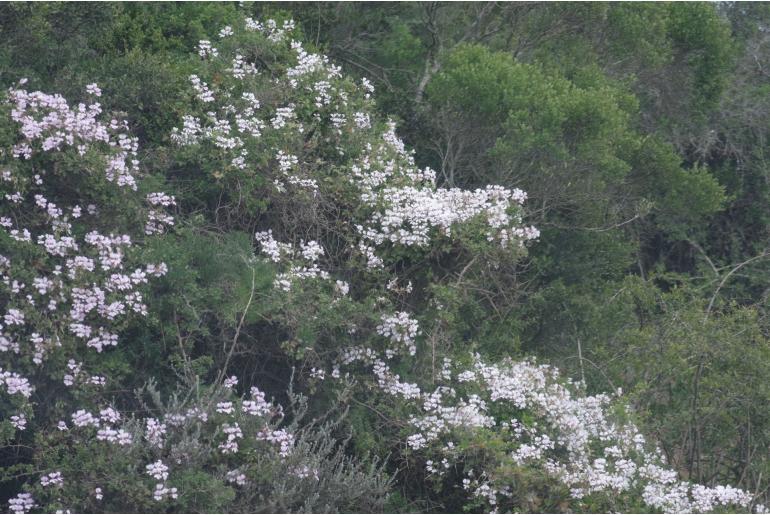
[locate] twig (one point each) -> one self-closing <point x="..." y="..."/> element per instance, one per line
<point x="223" y="371"/>
<point x="726" y="277"/>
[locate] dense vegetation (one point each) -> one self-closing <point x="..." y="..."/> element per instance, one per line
<point x="403" y="257"/>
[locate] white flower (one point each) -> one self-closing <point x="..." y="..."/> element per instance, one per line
<point x="93" y="89"/>
<point x="22" y="503"/>
<point x="158" y="470"/>
<point x="225" y="407"/>
<point x="231" y="382"/>
<point x="52" y="479"/>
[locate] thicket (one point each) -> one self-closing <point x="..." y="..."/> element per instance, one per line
<point x="230" y="285"/>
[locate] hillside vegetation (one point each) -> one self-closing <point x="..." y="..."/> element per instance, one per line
<point x="384" y="257"/>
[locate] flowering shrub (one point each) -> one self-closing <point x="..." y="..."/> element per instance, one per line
<point x="355" y="235"/>
<point x="68" y="278"/>
<point x="219" y="445"/>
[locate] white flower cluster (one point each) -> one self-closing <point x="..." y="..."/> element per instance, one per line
<point x="562" y="440"/>
<point x="304" y="472"/>
<point x="204" y="94"/>
<point x="308" y="252"/>
<point x="282" y="116"/>
<point x="159" y="431"/>
<point x="258" y="405"/>
<point x="190" y="132"/>
<point x="283" y="438"/>
<point x="93" y="89"/>
<point x="19" y="421"/>
<point x="119" y="436"/>
<point x="241" y="69"/>
<point x="236" y="477"/>
<point x="81" y="288"/>
<point x="83" y="418"/>
<point x="233" y="433"/>
<point x="49" y="121"/>
<point x="22" y="503"/>
<point x="206" y="50"/>
<point x="163" y="492"/>
<point x="308" y="64"/>
<point x="157" y="219"/>
<point x="411" y="213"/>
<point x="158" y="470"/>
<point x="401" y="329"/>
<point x="15" y="384"/>
<point x="406" y="207"/>
<point x="154" y="432"/>
<point x="290" y="172"/>
<point x="52" y="479"/>
<point x="274" y="32"/>
<point x="563" y="443"/>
